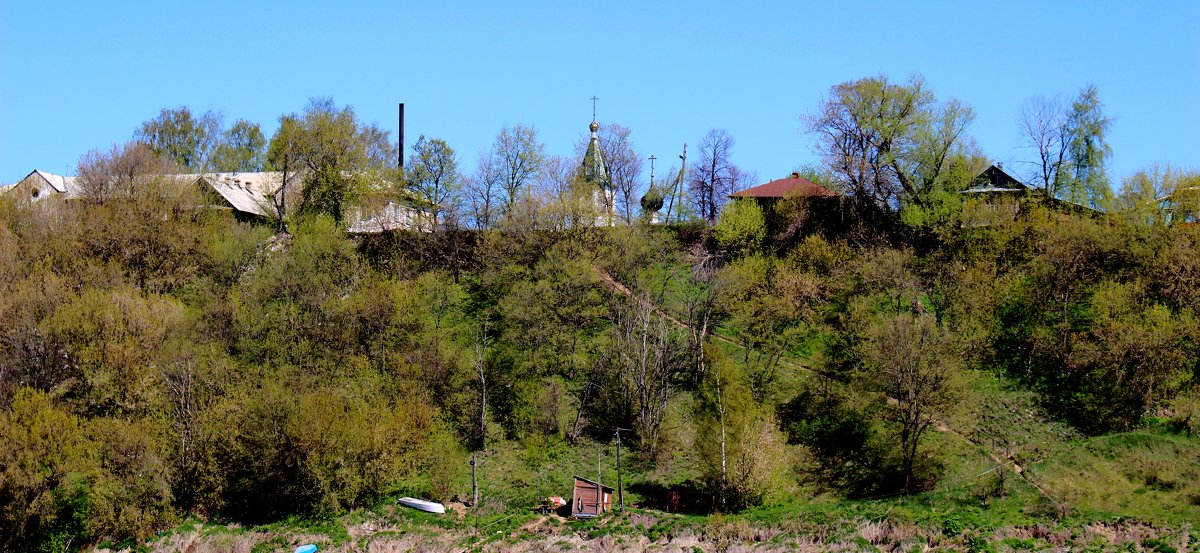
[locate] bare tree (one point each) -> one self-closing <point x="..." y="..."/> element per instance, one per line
<point x="713" y="174"/>
<point x="567" y="205"/>
<point x="122" y="172"/>
<point x="650" y="354"/>
<point x="518" y="158"/>
<point x="482" y="195"/>
<point x="1043" y="123"/>
<point x="700" y="305"/>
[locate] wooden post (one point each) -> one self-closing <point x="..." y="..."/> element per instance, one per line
<point x="620" y="493"/>
<point x="599" y="484"/>
<point x="474" y="483"/>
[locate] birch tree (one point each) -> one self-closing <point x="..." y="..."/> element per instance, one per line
<point x="650" y="354"/>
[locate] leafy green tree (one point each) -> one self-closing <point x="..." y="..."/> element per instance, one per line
<point x="911" y="359"/>
<point x="761" y="303"/>
<point x="29" y="356"/>
<point x="139" y="217"/>
<point x="1135" y="358"/>
<point x="133" y="496"/>
<point x="183" y="138"/>
<point x="341" y="158"/>
<point x="111" y="338"/>
<point x="892" y="143"/>
<point x="742" y="227"/>
<point x="47" y="464"/>
<point x="241" y="148"/>
<point x="432" y="174"/>
<point x="1088" y="150"/>
<point x="741" y="450"/>
<point x="1159" y="195"/>
<point x="294" y="308"/>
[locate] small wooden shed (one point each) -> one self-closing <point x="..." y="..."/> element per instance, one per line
<point x="590" y="498"/>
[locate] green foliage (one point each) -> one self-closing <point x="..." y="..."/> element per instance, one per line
<point x="242" y="148"/>
<point x="182" y="137"/>
<point x="1088" y="151"/>
<point x="741" y="450"/>
<point x="47" y="465"/>
<point x="159" y="361"/>
<point x="340" y="157"/>
<point x="911" y="360"/>
<point x="133" y="497"/>
<point x="1083" y="325"/>
<point x="894" y="144"/>
<point x="742" y="227"/>
<point x="825" y="419"/>
<point x="432" y="176"/>
<point x="110" y="338"/>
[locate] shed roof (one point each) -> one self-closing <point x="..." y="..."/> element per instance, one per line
<point x="781" y="188"/>
<point x="594" y="483"/>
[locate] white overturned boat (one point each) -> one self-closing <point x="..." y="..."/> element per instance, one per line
<point x="422" y="505"/>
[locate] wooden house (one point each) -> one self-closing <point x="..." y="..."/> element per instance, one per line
<point x="996" y="198"/>
<point x="590" y="498"/>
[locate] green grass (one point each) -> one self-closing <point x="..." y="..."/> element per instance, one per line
<point x="1146" y="475"/>
<point x="1150" y="474"/>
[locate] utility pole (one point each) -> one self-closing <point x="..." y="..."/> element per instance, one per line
<point x="679" y="180"/>
<point x="620" y="493"/>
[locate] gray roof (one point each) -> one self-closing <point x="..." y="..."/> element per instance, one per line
<point x="247" y="192"/>
<point x="60" y="183"/>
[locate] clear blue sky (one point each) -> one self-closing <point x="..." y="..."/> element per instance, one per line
<point x="76" y="76"/>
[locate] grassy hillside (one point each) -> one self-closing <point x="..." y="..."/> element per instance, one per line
<point x="1022" y="387"/>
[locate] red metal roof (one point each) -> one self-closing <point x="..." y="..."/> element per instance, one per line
<point x="780" y="188"/>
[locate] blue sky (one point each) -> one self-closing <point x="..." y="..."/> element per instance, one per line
<point x="76" y="76"/>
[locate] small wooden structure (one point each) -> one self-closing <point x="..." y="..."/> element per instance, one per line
<point x="590" y="498"/>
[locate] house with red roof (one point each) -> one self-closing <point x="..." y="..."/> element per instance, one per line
<point x="795" y="206"/>
<point x="794" y="186"/>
